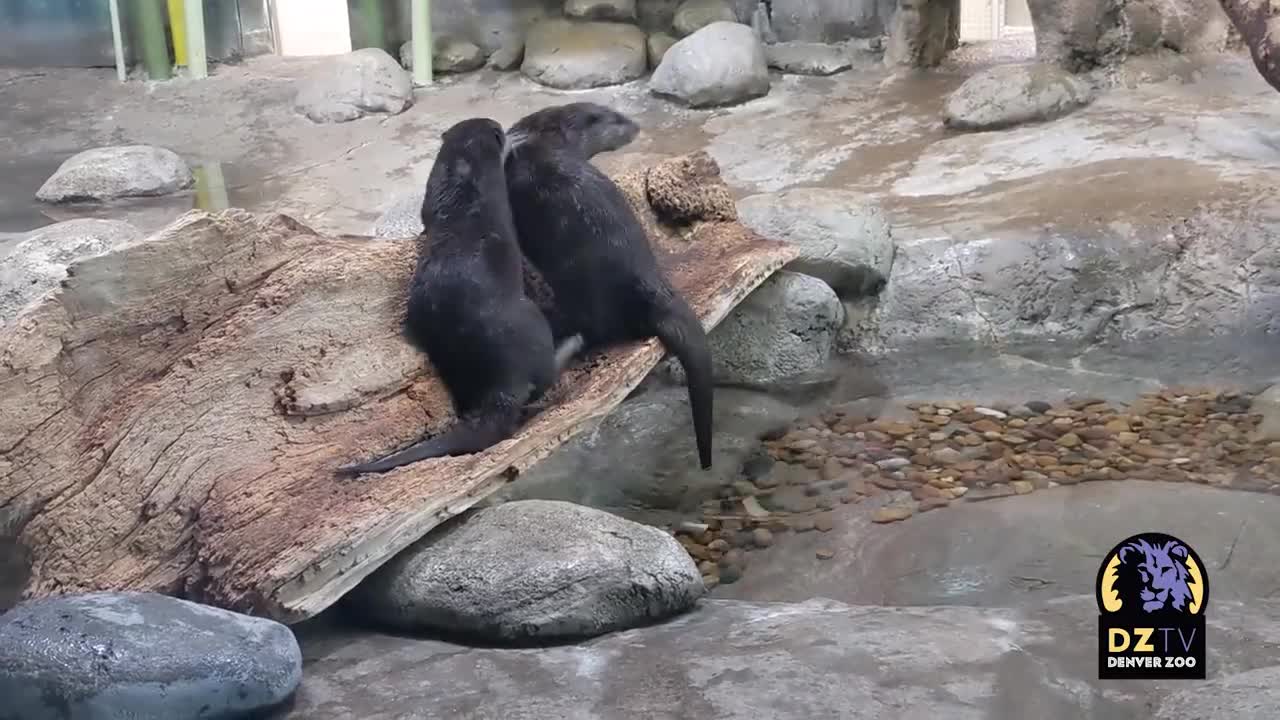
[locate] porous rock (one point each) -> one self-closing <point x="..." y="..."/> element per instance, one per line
<point x="141" y="656"/>
<point x="693" y="15"/>
<point x="350" y="86"/>
<point x="783" y="332"/>
<point x="1007" y="95"/>
<point x="121" y="171"/>
<point x="533" y="570"/>
<point x="448" y="55"/>
<point x="721" y="64"/>
<point x="804" y="58"/>
<point x="601" y="9"/>
<point x="844" y="238"/>
<point x="39" y="261"/>
<point x="569" y="54"/>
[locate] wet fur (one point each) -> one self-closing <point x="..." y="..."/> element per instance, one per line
<point x="490" y="344"/>
<point x="578" y="230"/>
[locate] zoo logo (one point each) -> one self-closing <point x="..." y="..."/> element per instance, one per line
<point x="1151" y="591"/>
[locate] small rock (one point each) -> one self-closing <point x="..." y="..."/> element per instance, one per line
<point x="719" y="545"/>
<point x="730" y="575"/>
<point x="345" y="87"/>
<point x="1039" y="407"/>
<point x="693" y="15"/>
<point x="597" y="573"/>
<point x="762" y="537"/>
<point x="1117" y="426"/>
<point x="121" y="171"/>
<point x="1069" y="440"/>
<point x="892" y="513"/>
<point x="824" y="553"/>
<point x="448" y="55"/>
<point x="744" y="488"/>
<point x="721" y="64"/>
<point x="1022" y="487"/>
<point x="143" y="656"/>
<point x="574" y="55"/>
<point x="620" y="10"/>
<point x="801" y="524"/>
<point x="508" y="56"/>
<point x="658" y="44"/>
<point x="753" y="508"/>
<point x="947" y="456"/>
<point x="1128" y="438"/>
<point x="710" y="582"/>
<point x="893" y="463"/>
<point x="991" y="412"/>
<point x="807" y="58"/>
<point x="824" y="522"/>
<point x="933" y="504"/>
<point x="706" y="567"/>
<point x="1007" y="95"/>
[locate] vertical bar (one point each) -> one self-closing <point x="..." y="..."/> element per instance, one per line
<point x="178" y="29"/>
<point x="421" y="36"/>
<point x="197" y="56"/>
<point x="374" y="26"/>
<point x="117" y="40"/>
<point x="155" y="51"/>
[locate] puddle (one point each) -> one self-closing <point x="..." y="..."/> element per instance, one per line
<point x="218" y="186"/>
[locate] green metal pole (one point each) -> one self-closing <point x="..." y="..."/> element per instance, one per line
<point x="374" y="26"/>
<point x="155" y="52"/>
<point x="421" y="30"/>
<point x="117" y="40"/>
<point x="197" y="57"/>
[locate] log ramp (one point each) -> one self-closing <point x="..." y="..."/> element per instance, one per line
<point x="170" y="418"/>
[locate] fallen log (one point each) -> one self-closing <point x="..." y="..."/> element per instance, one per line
<point x="171" y="417"/>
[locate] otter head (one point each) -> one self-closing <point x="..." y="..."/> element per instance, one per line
<point x="584" y="127"/>
<point x="471" y="154"/>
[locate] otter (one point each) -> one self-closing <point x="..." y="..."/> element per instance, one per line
<point x="489" y="343"/>
<point x="578" y="231"/>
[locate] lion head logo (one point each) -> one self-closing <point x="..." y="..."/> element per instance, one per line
<point x="1152" y="573"/>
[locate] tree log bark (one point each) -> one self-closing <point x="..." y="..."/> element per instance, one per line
<point x="1258" y="22"/>
<point x="170" y="419"/>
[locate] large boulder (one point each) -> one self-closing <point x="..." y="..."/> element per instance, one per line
<point x="1007" y="95"/>
<point x="122" y="171"/>
<point x="39" y="262"/>
<point x="532" y="570"/>
<point x="783" y="333"/>
<point x="806" y="58"/>
<point x="141" y="656"/>
<point x="1082" y="34"/>
<point x="646" y="449"/>
<point x="569" y="54"/>
<point x="350" y="86"/>
<point x="721" y="64"/>
<point x="448" y="55"/>
<point x="828" y="21"/>
<point x="693" y="15"/>
<point x="658" y="44"/>
<point x="844" y="239"/>
<point x="621" y="10"/>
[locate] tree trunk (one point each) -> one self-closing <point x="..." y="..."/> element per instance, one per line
<point x="1258" y="22"/>
<point x="171" y="418"/>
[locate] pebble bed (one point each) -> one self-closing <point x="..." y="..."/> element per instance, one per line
<point x="950" y="452"/>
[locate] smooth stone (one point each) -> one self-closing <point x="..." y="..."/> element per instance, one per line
<point x="1008" y="95"/>
<point x="578" y="54"/>
<point x="719" y="65"/>
<point x="121" y="171"/>
<point x="346" y="87"/>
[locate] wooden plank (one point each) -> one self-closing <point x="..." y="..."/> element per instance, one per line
<point x="171" y="418"/>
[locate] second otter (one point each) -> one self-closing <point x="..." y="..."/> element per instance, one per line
<point x="579" y="231"/>
<point x="490" y="344"/>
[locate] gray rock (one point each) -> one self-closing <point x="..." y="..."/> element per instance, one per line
<point x="762" y="25"/>
<point x="646" y="449"/>
<point x="656" y="15"/>
<point x="39" y="262"/>
<point x="121" y="171"/>
<point x="567" y="54"/>
<point x="141" y="656"/>
<point x="601" y="9"/>
<point x="782" y="333"/>
<point x="350" y="86"/>
<point x="1007" y="95"/>
<point x="1251" y="695"/>
<point x="448" y="55"/>
<point x="693" y="15"/>
<point x="487" y="23"/>
<point x="828" y="21"/>
<point x="922" y="32"/>
<point x="1082" y="34"/>
<point x="536" y="569"/>
<point x="802" y="58"/>
<point x="721" y="64"/>
<point x="843" y="237"/>
<point x="509" y="56"/>
<point x="1267" y="404"/>
<point x="403" y="218"/>
<point x="658" y="45"/>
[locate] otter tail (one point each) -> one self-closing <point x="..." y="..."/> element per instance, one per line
<point x="682" y="334"/>
<point x="468" y="435"/>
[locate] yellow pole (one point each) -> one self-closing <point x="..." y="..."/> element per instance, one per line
<point x="178" y="26"/>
